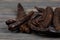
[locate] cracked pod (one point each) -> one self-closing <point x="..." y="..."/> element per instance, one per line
<point x="34" y="21"/>
<point x="18" y="23"/>
<point x="43" y="24"/>
<point x="20" y="15"/>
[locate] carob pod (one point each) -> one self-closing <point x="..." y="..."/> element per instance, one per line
<point x="20" y="15"/>
<point x="56" y="19"/>
<point x="43" y="24"/>
<point x="33" y="22"/>
<point x="20" y="22"/>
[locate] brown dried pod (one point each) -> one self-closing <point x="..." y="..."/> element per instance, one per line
<point x="42" y="25"/>
<point x="33" y="22"/>
<point x="56" y="19"/>
<point x="20" y="15"/>
<point x="20" y="22"/>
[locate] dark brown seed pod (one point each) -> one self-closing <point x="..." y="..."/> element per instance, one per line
<point x="56" y="19"/>
<point x="33" y="22"/>
<point x="24" y="28"/>
<point x="20" y="15"/>
<point x="20" y="22"/>
<point x="42" y="25"/>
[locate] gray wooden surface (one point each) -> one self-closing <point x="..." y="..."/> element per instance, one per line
<point x="8" y="10"/>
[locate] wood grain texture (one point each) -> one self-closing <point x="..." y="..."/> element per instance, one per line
<point x="8" y="10"/>
<point x="29" y="0"/>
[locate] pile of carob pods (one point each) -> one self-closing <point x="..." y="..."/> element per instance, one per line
<point x="44" y="20"/>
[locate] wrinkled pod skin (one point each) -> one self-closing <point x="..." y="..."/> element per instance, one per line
<point x="42" y="25"/>
<point x="21" y="22"/>
<point x="56" y="19"/>
<point x="20" y="15"/>
<point x="21" y="28"/>
<point x="33" y="22"/>
<point x="34" y="16"/>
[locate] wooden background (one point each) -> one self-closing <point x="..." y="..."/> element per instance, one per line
<point x="8" y="10"/>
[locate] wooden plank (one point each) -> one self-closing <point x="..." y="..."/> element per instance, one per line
<point x="21" y="36"/>
<point x="28" y="0"/>
<point x="8" y="10"/>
